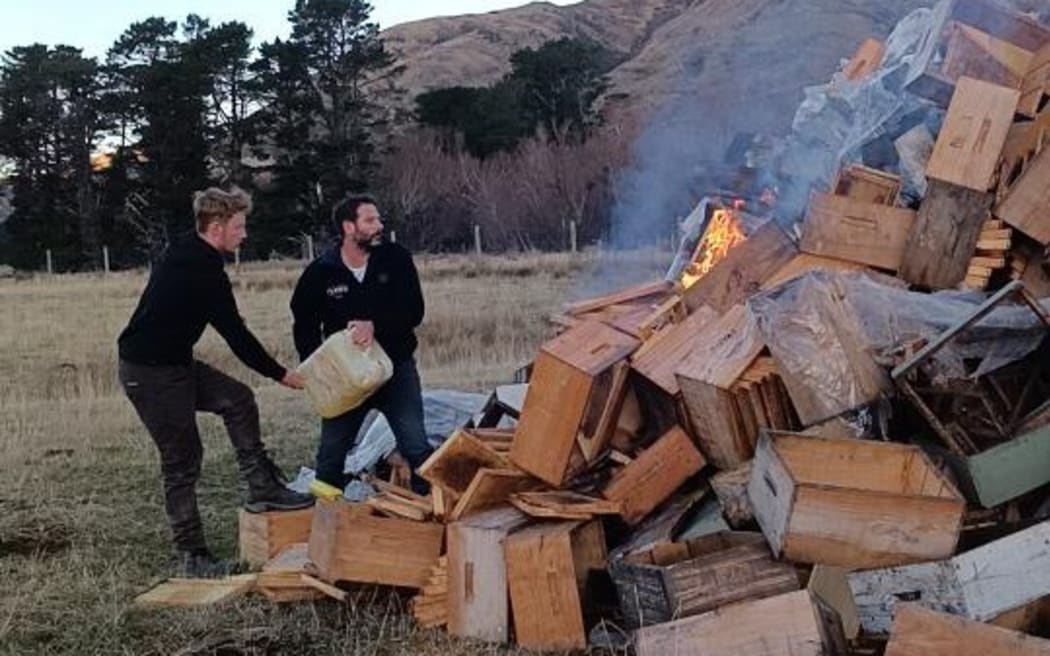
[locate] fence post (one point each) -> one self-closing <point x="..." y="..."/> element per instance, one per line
<point x="105" y="259"/>
<point x="477" y="239"/>
<point x="572" y="236"/>
<point x="50" y="268"/>
<point x="310" y="248"/>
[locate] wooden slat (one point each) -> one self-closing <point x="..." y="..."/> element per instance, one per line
<point x="183" y="593"/>
<point x="490" y="488"/>
<point x="858" y="231"/>
<point x="945" y="235"/>
<point x="918" y="631"/>
<point x="563" y="505"/>
<point x="654" y="288"/>
<point x="975" y="128"/>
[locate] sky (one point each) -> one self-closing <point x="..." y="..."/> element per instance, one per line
<point x="95" y="24"/>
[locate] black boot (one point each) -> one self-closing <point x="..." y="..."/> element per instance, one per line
<point x="201" y="564"/>
<point x="267" y="490"/>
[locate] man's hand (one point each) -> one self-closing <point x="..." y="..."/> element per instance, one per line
<point x="360" y="332"/>
<point x="293" y="379"/>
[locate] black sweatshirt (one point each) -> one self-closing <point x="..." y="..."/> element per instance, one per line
<point x="328" y="296"/>
<point x="186" y="291"/>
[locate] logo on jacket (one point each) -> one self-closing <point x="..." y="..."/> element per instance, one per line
<point x="337" y="291"/>
<point x="383" y="278"/>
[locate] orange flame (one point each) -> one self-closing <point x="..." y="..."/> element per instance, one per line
<point x="722" y="234"/>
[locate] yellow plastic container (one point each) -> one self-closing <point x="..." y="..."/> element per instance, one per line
<point x="323" y="490"/>
<point x="341" y="375"/>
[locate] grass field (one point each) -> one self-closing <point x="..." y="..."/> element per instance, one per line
<point x="82" y="529"/>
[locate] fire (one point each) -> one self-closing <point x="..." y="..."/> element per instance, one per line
<point x="722" y="234"/>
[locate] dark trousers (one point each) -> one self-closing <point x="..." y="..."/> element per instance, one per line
<point x="401" y="402"/>
<point x="167" y="399"/>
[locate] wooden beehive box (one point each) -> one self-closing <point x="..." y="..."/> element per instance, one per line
<point x="867" y="185"/>
<point x="263" y="535"/>
<point x="548" y="567"/>
<point x="981" y="584"/>
<point x="652" y="477"/>
<point x="478" y="600"/>
<point x="981" y="40"/>
<point x="688" y="578"/>
<point x="573" y="400"/>
<point x="784" y="625"/>
<point x="856" y="230"/>
<point x="852" y="503"/>
<point x="350" y="543"/>
<point x="726" y="405"/>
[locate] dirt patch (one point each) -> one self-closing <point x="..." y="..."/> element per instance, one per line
<point x="39" y="539"/>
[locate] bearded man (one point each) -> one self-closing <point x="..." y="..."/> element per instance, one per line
<point x="370" y="289"/>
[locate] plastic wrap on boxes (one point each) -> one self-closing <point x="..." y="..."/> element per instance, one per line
<point x="826" y="329"/>
<point x="340" y="375"/>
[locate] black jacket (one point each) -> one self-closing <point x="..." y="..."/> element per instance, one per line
<point x="328" y="296"/>
<point x="186" y="291"/>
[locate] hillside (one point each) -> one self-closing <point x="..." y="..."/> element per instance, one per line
<point x="742" y="63"/>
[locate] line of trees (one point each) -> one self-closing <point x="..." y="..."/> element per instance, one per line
<point x="108" y="153"/>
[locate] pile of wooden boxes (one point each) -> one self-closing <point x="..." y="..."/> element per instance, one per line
<point x="670" y="472"/>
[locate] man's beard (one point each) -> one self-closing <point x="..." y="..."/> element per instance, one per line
<point x="370" y="243"/>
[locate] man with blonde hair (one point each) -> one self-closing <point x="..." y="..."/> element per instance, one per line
<point x="186" y="291"/>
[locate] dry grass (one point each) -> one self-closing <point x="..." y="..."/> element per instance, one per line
<point x="81" y="525"/>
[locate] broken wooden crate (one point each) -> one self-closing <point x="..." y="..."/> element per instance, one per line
<point x="574" y="395"/>
<point x="852" y="503"/>
<point x="980" y="584"/>
<point x="548" y="569"/>
<point x="261" y="536"/>
<point x="918" y="631"/>
<point x="688" y="578"/>
<point x="783" y="625"/>
<point x="350" y="543"/>
<point x="478" y="598"/>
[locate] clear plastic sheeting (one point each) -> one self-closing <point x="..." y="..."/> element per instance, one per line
<point x="836" y="120"/>
<point x="443" y="412"/>
<point x="880" y="316"/>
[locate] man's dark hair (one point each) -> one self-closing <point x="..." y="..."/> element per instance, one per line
<point x="346" y="210"/>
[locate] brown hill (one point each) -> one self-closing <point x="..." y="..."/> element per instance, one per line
<point x="743" y="63"/>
